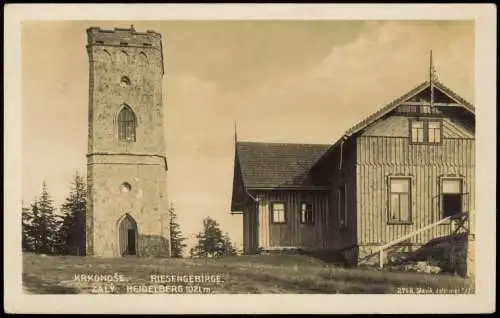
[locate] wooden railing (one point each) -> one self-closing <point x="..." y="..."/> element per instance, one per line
<point x="457" y="222"/>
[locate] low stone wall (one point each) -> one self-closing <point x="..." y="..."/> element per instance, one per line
<point x="471" y="256"/>
<point x="153" y="245"/>
<point x="462" y="256"/>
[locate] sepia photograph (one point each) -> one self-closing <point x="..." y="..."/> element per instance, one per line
<point x="165" y="157"/>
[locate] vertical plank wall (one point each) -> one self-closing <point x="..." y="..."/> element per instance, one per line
<point x="292" y="233"/>
<point x="341" y="168"/>
<point x="250" y="228"/>
<point x="381" y="156"/>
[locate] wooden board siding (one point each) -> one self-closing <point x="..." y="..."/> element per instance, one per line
<point x="250" y="229"/>
<point x="246" y="234"/>
<point x="389" y="151"/>
<point x="292" y="233"/>
<point x="398" y="126"/>
<point x="341" y="170"/>
<point x="381" y="157"/>
<point x="239" y="197"/>
<point x="264" y="222"/>
<point x="337" y="168"/>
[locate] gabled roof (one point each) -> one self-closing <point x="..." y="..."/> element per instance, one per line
<point x="277" y="165"/>
<point x="395" y="103"/>
<point x="455" y="96"/>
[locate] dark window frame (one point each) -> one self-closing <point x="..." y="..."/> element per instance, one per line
<point x="441" y="193"/>
<point x="425" y="127"/>
<point x="271" y="209"/>
<point x="127" y="125"/>
<point x="309" y="211"/>
<point x="343" y="205"/>
<point x="411" y="131"/>
<point x="390" y="220"/>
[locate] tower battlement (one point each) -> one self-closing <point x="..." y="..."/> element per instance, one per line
<point x="123" y="37"/>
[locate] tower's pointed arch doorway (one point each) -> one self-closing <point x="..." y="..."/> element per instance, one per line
<point x="127" y="235"/>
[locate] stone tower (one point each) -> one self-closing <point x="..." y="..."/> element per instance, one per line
<point x="126" y="162"/>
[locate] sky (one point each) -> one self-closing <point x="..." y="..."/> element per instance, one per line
<point x="279" y="81"/>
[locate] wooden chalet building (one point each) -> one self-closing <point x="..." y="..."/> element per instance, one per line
<point x="282" y="207"/>
<point x="405" y="167"/>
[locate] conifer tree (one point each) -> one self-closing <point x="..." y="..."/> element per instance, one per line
<point x="44" y="224"/>
<point x="72" y="231"/>
<point x="211" y="241"/>
<point x="228" y="247"/>
<point x="176" y="238"/>
<point x="27" y="229"/>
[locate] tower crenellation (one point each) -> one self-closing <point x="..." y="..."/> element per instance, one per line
<point x="120" y="36"/>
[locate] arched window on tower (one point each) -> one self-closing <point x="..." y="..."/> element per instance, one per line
<point x="105" y="57"/>
<point x="126" y="124"/>
<point x="142" y="60"/>
<point x="123" y="57"/>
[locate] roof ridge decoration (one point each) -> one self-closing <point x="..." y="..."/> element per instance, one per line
<point x="432" y="79"/>
<point x="432" y="71"/>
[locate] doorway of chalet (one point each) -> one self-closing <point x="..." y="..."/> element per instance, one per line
<point x="451" y="197"/>
<point x="127" y="229"/>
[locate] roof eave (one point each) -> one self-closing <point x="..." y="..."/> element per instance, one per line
<point x="270" y="188"/>
<point x="327" y="153"/>
<point x="467" y="105"/>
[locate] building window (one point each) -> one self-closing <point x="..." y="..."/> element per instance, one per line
<point x="425" y="131"/>
<point x="126" y="125"/>
<point x="278" y="212"/>
<point x="399" y="200"/>
<point x="434" y="132"/>
<point x="417" y="131"/>
<point x="105" y="57"/>
<point x="451" y="196"/>
<point x="306" y="213"/>
<point x="123" y="57"/>
<point x="142" y="59"/>
<point x="343" y="205"/>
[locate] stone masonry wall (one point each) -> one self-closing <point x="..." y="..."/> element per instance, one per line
<point x="143" y="67"/>
<point x="146" y="203"/>
<point x="113" y="55"/>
